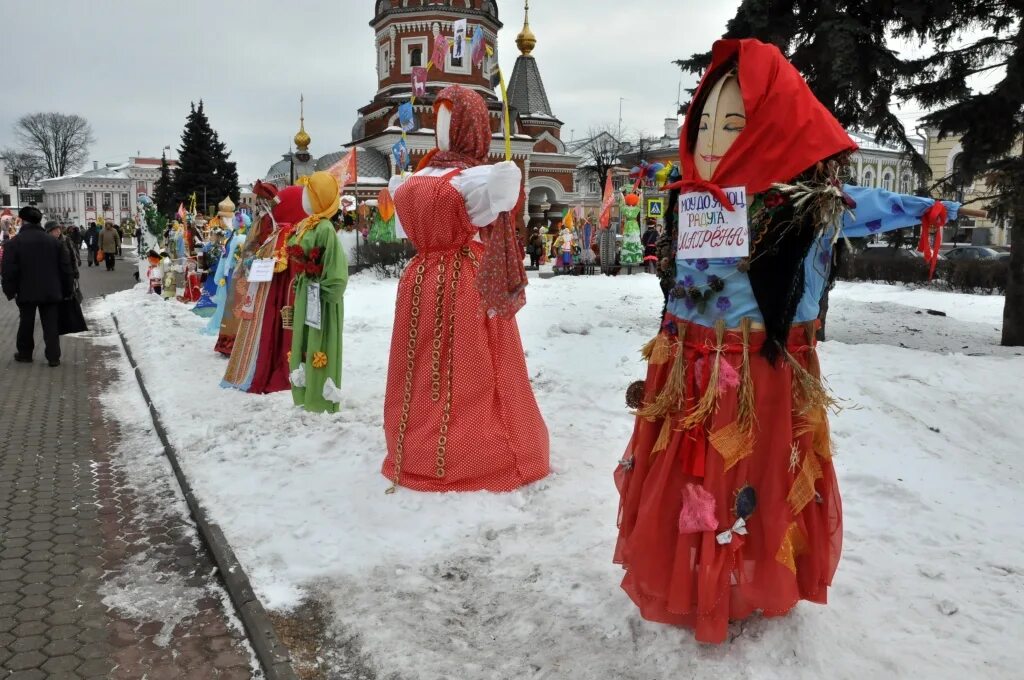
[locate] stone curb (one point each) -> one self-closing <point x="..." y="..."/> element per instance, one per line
<point x="273" y="656"/>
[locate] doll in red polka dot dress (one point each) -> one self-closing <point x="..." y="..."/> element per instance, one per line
<point x="460" y="414"/>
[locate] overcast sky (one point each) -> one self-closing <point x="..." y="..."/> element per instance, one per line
<point x="131" y="67"/>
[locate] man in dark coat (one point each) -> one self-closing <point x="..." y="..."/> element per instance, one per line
<point x="36" y="272"/>
<point x="92" y="242"/>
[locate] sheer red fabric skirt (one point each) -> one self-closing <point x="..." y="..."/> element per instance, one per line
<point x="793" y="537"/>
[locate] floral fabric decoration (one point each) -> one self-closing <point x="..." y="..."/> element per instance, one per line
<point x="319" y="360"/>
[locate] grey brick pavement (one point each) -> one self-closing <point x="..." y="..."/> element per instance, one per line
<point x="73" y="529"/>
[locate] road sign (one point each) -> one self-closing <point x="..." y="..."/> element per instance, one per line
<point x="655" y="207"/>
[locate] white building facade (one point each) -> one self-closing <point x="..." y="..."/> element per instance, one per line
<point x="110" y="192"/>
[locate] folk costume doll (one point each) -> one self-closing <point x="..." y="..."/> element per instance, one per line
<point x="315" y="360"/>
<point x="270" y="373"/>
<point x="728" y="498"/>
<point x="249" y="309"/>
<point x="237" y="282"/>
<point x="459" y="412"/>
<point x="225" y="267"/>
<point x="632" y="246"/>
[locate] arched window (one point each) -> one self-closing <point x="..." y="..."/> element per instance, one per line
<point x="867" y="178"/>
<point x="888" y="179"/>
<point x="906" y="183"/>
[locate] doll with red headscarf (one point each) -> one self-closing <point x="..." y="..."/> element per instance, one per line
<point x="459" y="413"/>
<point x="728" y="497"/>
<point x="276" y="214"/>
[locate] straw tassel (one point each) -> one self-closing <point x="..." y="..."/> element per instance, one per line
<point x="745" y="415"/>
<point x="673" y="394"/>
<point x="657" y="351"/>
<point x="708" y="403"/>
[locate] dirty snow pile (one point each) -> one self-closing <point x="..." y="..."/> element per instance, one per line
<point x="521" y="585"/>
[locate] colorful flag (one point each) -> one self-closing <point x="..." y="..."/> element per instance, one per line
<point x="400" y="152"/>
<point x="607" y="203"/>
<point x="460" y="28"/>
<point x="493" y="71"/>
<point x="181" y="211"/>
<point x="406" y="117"/>
<point x="478" y="48"/>
<point x="419" y="81"/>
<point x="440" y="53"/>
<point x="345" y="169"/>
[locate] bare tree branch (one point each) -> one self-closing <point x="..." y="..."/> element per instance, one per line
<point x="60" y="141"/>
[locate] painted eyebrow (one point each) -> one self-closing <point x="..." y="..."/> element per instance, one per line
<point x="705" y="114"/>
<point x="738" y="115"/>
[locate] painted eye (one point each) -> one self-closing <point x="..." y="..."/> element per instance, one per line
<point x="703" y="127"/>
<point x="733" y="128"/>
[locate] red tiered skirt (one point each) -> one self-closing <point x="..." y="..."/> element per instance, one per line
<point x="756" y="426"/>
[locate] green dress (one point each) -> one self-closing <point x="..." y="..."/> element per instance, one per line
<point x="382" y="231"/>
<point x="314" y="363"/>
<point x="632" y="247"/>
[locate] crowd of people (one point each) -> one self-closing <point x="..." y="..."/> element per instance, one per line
<point x="542" y="245"/>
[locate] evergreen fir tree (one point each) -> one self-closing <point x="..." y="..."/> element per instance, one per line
<point x="163" y="189"/>
<point x="203" y="165"/>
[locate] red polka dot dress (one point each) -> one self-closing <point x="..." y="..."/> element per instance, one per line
<point x="460" y="414"/>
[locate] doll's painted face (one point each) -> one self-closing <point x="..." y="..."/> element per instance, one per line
<point x="444" y="126"/>
<point x="721" y="121"/>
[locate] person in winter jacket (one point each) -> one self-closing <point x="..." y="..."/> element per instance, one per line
<point x="92" y="242"/>
<point x="36" y="272"/>
<point x="650" y="243"/>
<point x="110" y="244"/>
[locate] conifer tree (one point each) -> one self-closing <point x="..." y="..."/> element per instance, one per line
<point x="163" y="189"/>
<point x="204" y="167"/>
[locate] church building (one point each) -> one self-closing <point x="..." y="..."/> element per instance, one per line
<point x="404" y="33"/>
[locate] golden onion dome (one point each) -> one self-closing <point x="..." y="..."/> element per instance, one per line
<point x="526" y="40"/>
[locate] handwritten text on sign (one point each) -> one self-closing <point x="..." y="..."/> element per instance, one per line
<point x="708" y="230"/>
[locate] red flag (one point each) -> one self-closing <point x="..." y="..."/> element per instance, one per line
<point x="440" y="52"/>
<point x="345" y="169"/>
<point x="607" y="203"/>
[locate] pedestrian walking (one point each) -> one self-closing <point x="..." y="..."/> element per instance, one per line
<point x="650" y="244"/>
<point x="54" y="230"/>
<point x="535" y="248"/>
<point x="92" y="242"/>
<point x="36" y="272"/>
<point x="75" y="238"/>
<point x="110" y="245"/>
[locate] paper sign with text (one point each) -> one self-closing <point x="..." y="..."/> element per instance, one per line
<point x="707" y="230"/>
<point x="262" y="271"/>
<point x="313" y="306"/>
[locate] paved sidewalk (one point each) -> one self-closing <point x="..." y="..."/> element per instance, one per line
<point x="101" y="572"/>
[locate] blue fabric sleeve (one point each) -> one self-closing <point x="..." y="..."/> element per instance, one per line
<point x="878" y="211"/>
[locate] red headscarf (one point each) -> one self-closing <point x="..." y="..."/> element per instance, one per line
<point x="469" y="138"/>
<point x="289" y="208"/>
<point x="787" y="131"/>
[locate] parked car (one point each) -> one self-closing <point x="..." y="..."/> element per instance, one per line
<point x="962" y="253"/>
<point x="886" y="254"/>
<point x="1000" y="249"/>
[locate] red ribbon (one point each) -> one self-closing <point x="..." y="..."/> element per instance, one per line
<point x="702" y="185"/>
<point x="933" y="220"/>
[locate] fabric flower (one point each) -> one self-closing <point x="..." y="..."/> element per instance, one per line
<point x="773" y="199"/>
<point x="319" y="360"/>
<point x="702" y="265"/>
<point x="689" y="304"/>
<point x="688" y="281"/>
<point x="723" y="304"/>
<point x="296" y="251"/>
<point x="315" y="253"/>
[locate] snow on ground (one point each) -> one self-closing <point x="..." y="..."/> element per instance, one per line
<point x="521" y="585"/>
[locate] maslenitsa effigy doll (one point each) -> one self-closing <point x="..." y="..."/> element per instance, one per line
<point x="459" y="413"/>
<point x="728" y="498"/>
